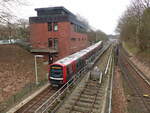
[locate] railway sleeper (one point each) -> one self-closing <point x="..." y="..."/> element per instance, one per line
<point x="94" y="85"/>
<point x="85" y="100"/>
<point x="83" y="104"/>
<point x="90" y="93"/>
<point x="79" y="109"/>
<point x="95" y="110"/>
<point x="76" y="112"/>
<point x="31" y="111"/>
<point x="99" y="94"/>
<point x="92" y="89"/>
<point x="92" y="81"/>
<point x="80" y="91"/>
<point x="86" y="97"/>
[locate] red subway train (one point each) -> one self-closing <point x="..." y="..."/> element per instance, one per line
<point x="63" y="70"/>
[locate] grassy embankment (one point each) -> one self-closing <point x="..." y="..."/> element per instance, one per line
<point x="143" y="56"/>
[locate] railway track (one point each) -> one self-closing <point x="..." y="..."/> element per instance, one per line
<point x="137" y="83"/>
<point x="86" y="99"/>
<point x="91" y="96"/>
<point x="39" y="103"/>
<point x="32" y="105"/>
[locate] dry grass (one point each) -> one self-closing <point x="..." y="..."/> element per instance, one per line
<point x="17" y="70"/>
<point x="143" y="56"/>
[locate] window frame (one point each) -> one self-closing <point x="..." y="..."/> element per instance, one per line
<point x="50" y="40"/>
<point x="49" y="26"/>
<point x="55" y="24"/>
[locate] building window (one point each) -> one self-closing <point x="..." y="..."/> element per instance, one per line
<point x="73" y="39"/>
<point x="50" y="42"/>
<point x="55" y="27"/>
<point x="49" y="26"/>
<point x="55" y="43"/>
<point x="79" y="29"/>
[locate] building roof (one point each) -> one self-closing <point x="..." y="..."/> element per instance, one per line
<point x="55" y="8"/>
<point x="55" y="14"/>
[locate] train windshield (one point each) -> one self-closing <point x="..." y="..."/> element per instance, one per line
<point x="56" y="71"/>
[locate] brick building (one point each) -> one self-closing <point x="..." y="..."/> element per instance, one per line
<point x="56" y="33"/>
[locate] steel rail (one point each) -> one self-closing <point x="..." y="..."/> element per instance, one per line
<point x="111" y="86"/>
<point x="94" y="101"/>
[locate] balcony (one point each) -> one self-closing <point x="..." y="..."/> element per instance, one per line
<point x="41" y="47"/>
<point x="44" y="50"/>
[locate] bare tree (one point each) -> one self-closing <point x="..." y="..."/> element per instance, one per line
<point x="83" y="20"/>
<point x="6" y="12"/>
<point x="23" y="29"/>
<point x="134" y="25"/>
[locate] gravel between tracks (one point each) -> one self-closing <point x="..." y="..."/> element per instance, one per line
<point x="119" y="102"/>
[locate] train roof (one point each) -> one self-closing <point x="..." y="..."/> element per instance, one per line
<point x="75" y="56"/>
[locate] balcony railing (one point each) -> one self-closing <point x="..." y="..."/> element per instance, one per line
<point x="41" y="47"/>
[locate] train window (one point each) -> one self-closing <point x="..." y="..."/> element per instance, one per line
<point x="49" y="26"/>
<point x="55" y="26"/>
<point x="56" y="71"/>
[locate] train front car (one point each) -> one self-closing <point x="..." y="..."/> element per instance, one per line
<point x="56" y="74"/>
<point x="64" y="69"/>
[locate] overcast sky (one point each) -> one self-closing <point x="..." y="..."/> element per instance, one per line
<point x="101" y="14"/>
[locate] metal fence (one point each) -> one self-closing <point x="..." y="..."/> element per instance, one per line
<point x="18" y="97"/>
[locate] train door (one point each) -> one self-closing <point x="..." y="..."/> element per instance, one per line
<point x="69" y="72"/>
<point x="73" y="67"/>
